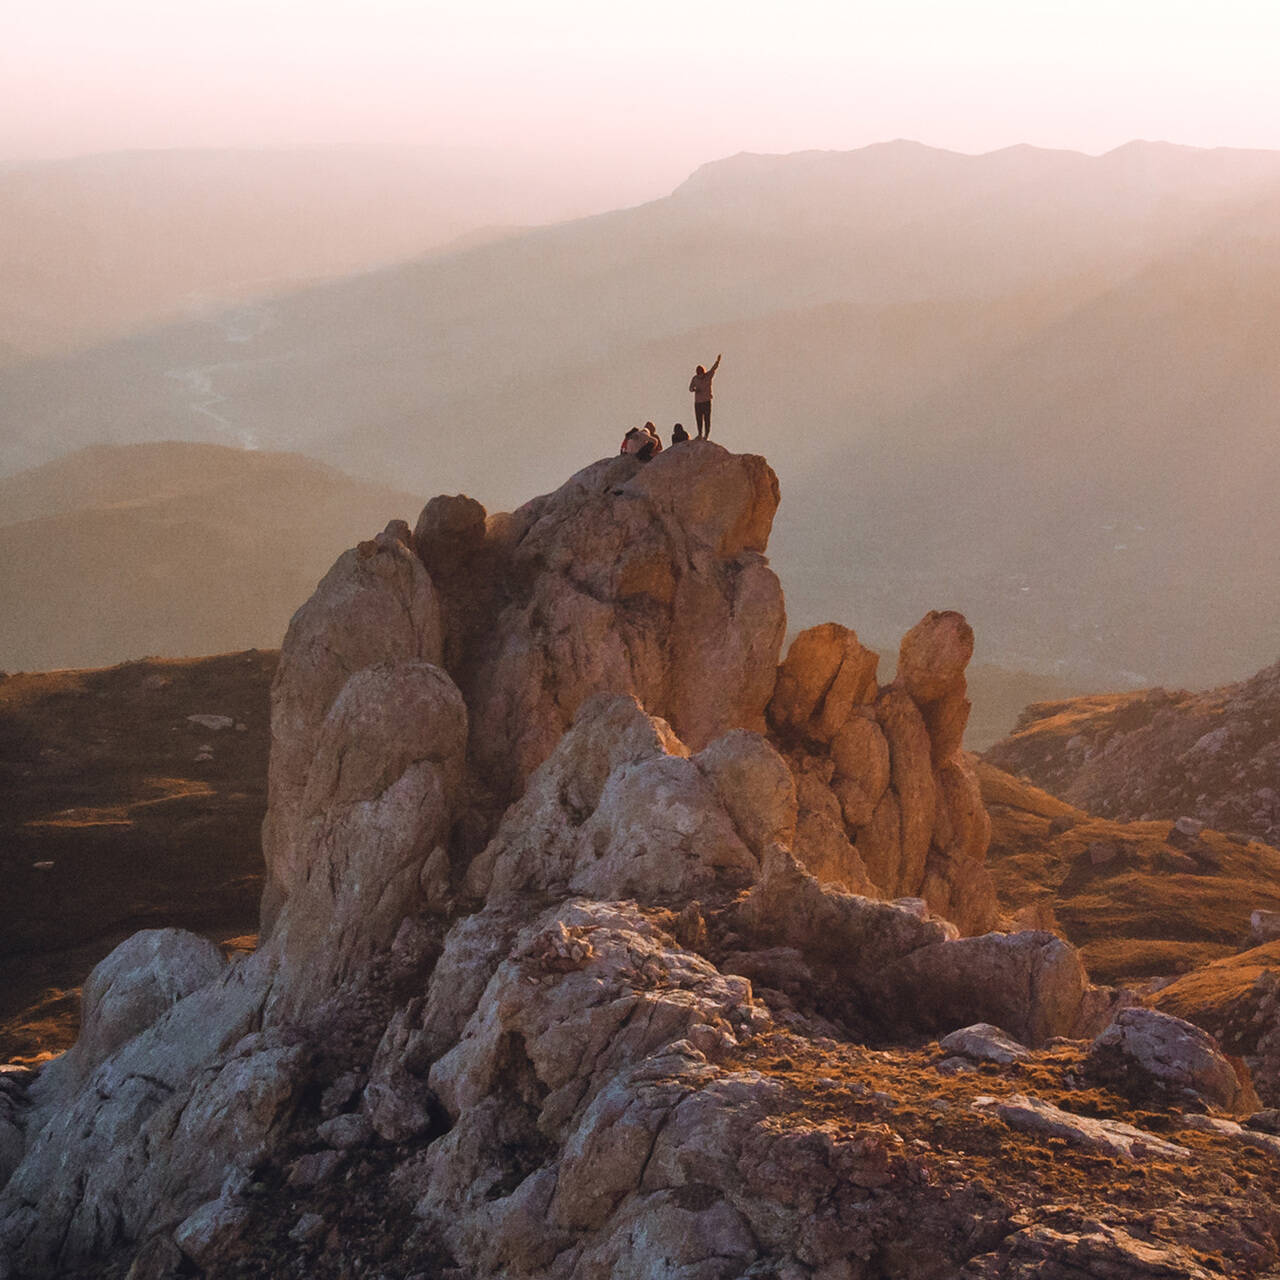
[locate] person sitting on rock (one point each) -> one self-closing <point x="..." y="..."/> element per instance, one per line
<point x="700" y="385"/>
<point x="654" y="439"/>
<point x="641" y="442"/>
<point x="678" y="434"/>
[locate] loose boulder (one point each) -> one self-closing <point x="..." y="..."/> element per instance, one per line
<point x="1144" y="1047"/>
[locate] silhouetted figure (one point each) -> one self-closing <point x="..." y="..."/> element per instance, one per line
<point x="678" y="434"/>
<point x="700" y="385"/>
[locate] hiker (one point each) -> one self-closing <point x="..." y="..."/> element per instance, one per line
<point x="678" y="434"/>
<point x="652" y="432"/>
<point x="700" y="385"/>
<point x="641" y="442"/>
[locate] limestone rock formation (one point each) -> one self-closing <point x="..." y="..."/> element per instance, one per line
<point x="1145" y="1047"/>
<point x="551" y="988"/>
<point x="888" y="802"/>
<point x="641" y="578"/>
<point x="142" y="978"/>
<point x="1110" y="1137"/>
<point x="983" y="1043"/>
<point x="382" y="795"/>
<point x="377" y="604"/>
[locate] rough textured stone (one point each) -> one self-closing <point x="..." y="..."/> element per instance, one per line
<point x="382" y="792"/>
<point x="886" y="765"/>
<point x="933" y="656"/>
<point x="1111" y="1137"/>
<point x="314" y="1168"/>
<point x="620" y="810"/>
<point x="142" y="978"/>
<point x="826" y="673"/>
<point x="157" y="1130"/>
<point x="608" y="1003"/>
<point x="860" y="753"/>
<point x="1168" y="1051"/>
<point x="1031" y="984"/>
<point x="377" y="604"/>
<point x="984" y="1043"/>
<point x="1073" y="1246"/>
<point x="1264" y="926"/>
<point x="212" y="1233"/>
<point x="342" y="1133"/>
<point x="397" y="1101"/>
<point x="1233" y="1132"/>
<point x="911" y="771"/>
<point x="632" y="578"/>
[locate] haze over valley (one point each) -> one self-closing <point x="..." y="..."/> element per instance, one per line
<point x="1035" y="385"/>
<point x="98" y="246"/>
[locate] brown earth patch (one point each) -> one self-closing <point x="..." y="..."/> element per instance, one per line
<point x="109" y="823"/>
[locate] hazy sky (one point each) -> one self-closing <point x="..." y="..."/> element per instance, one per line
<point x="659" y="87"/>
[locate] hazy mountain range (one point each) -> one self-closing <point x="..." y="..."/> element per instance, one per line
<point x="1036" y="386"/>
<point x="100" y="246"/>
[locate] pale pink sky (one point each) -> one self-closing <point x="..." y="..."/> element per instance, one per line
<point x="657" y="88"/>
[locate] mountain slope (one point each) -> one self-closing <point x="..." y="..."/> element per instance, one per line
<point x="1133" y="899"/>
<point x="1115" y="478"/>
<point x="1032" y="385"/>
<point x="742" y="239"/>
<point x="170" y="548"/>
<point x="1212" y="755"/>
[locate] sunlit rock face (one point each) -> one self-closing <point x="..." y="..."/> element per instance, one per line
<point x="377" y="604"/>
<point x="640" y="578"/>
<point x="888" y="803"/>
<point x="600" y="942"/>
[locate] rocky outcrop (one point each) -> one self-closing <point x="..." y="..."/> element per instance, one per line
<point x="382" y="795"/>
<point x="1108" y="1137"/>
<point x="888" y="802"/>
<point x="590" y="1014"/>
<point x="1237" y="1002"/>
<point x="377" y="604"/>
<point x="640" y="578"/>
<point x="1213" y="756"/>
<point x="140" y="980"/>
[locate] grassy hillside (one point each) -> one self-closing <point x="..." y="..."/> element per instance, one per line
<point x="1137" y="906"/>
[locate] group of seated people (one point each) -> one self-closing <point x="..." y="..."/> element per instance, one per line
<point x="644" y="441"/>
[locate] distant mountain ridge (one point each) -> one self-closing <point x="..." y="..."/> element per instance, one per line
<point x="98" y="246"/>
<point x="1212" y="755"/>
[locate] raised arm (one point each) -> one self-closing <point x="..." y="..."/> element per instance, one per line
<point x="714" y="367"/>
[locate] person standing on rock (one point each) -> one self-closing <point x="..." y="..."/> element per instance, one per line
<point x="700" y="385"/>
